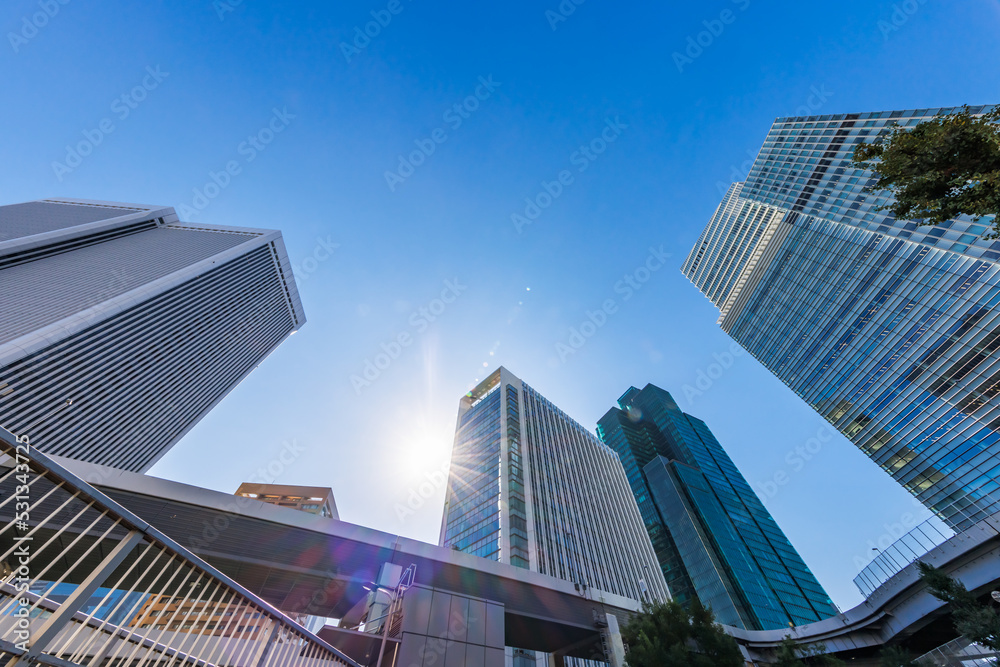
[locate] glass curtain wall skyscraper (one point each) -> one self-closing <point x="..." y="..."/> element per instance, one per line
<point x="713" y="537"/>
<point x="531" y="487"/>
<point x="890" y="330"/>
<point x="120" y="326"/>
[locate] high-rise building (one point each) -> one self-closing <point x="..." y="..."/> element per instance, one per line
<point x="121" y="326"/>
<point x="888" y="329"/>
<point x="531" y="487"/>
<point x="316" y="500"/>
<point x="711" y="533"/>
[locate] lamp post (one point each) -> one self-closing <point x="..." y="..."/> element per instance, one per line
<point x="395" y="596"/>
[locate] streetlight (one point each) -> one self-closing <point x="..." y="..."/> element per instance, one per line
<point x="395" y="596"/>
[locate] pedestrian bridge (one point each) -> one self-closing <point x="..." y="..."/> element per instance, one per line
<point x="174" y="570"/>
<point x="901" y="609"/>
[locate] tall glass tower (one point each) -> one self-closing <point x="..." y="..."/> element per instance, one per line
<point x="889" y="330"/>
<point x="712" y="535"/>
<point x="531" y="487"/>
<point x="121" y="327"/>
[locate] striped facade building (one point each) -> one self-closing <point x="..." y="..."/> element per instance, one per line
<point x="120" y="326"/>
<point x="888" y="329"/>
<point x="531" y="487"/>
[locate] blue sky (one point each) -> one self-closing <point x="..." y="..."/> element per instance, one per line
<point x="165" y="96"/>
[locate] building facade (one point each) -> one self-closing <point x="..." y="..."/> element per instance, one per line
<point x="531" y="487"/>
<point x="316" y="500"/>
<point x="713" y="537"/>
<point x="123" y="326"/>
<point x="889" y="330"/>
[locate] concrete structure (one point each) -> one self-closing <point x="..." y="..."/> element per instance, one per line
<point x="889" y="330"/>
<point x="306" y="564"/>
<point x="123" y="326"/>
<point x="713" y="536"/>
<point x="531" y="487"/>
<point x="901" y="610"/>
<point x="313" y="499"/>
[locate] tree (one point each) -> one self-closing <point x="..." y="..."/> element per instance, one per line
<point x="974" y="621"/>
<point x="667" y="635"/>
<point x="893" y="656"/>
<point x="790" y="654"/>
<point x="940" y="168"/>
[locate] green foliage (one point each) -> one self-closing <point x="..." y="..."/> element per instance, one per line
<point x="791" y="654"/>
<point x="893" y="656"/>
<point x="940" y="168"/>
<point x="667" y="635"/>
<point x="977" y="622"/>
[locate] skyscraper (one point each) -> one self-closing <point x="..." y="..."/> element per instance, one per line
<point x="120" y="326"/>
<point x="889" y="330"/>
<point x="532" y="488"/>
<point x="712" y="535"/>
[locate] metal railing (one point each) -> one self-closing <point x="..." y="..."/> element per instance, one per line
<point x="917" y="543"/>
<point x="83" y="581"/>
<point x="908" y="548"/>
<point x="959" y="653"/>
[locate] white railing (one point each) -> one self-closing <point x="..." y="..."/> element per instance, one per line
<point x="83" y="581"/>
